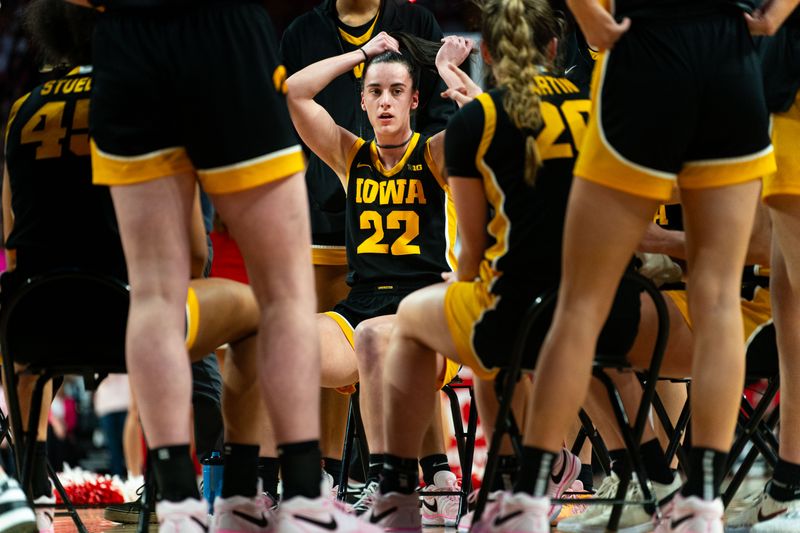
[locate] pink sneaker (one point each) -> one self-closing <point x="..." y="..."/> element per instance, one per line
<point x="45" y="508"/>
<point x="691" y="515"/>
<point x="489" y="512"/>
<point x="396" y="512"/>
<point x="513" y="513"/>
<point x="239" y="514"/>
<point x="565" y="471"/>
<point x="441" y="510"/>
<point x="320" y="515"/>
<point x="187" y="516"/>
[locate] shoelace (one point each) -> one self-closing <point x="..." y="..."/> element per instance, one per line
<point x="367" y="497"/>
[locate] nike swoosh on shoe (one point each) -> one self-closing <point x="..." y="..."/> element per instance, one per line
<point x="769" y="516"/>
<point x="330" y="525"/>
<point x="260" y="522"/>
<point x="500" y="520"/>
<point x="375" y="518"/>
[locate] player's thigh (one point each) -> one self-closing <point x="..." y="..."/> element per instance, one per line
<point x="339" y="367"/>
<point x="421" y="316"/>
<point x="223" y="311"/>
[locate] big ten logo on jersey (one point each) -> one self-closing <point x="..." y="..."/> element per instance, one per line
<point x="400" y="192"/>
<point x="56" y="122"/>
<point x="570" y="113"/>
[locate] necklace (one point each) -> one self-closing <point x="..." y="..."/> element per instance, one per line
<point x="390" y="146"/>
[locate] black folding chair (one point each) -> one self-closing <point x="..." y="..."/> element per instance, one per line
<point x="65" y="322"/>
<point x="541" y="309"/>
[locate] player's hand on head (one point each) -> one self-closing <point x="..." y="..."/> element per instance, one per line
<point x="455" y="49"/>
<point x="383" y="42"/>
<point x="449" y="277"/>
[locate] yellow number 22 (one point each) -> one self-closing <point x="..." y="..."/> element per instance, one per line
<point x="401" y="246"/>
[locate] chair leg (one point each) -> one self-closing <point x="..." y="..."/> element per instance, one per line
<point x="347" y="451"/>
<point x="505" y="424"/>
<point x="15" y="414"/>
<point x="598" y="446"/>
<point x="462" y="442"/>
<point x="32" y="433"/>
<point x="361" y="438"/>
<point x="740" y="475"/>
<point x="148" y="497"/>
<point x="472" y="429"/>
<point x="73" y="513"/>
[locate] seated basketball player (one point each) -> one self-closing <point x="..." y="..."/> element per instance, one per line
<point x="510" y="155"/>
<point x="400" y="225"/>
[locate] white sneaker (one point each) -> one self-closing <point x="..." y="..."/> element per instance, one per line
<point x="634" y="518"/>
<point x="789" y="522"/>
<point x="396" y="512"/>
<point x="492" y="508"/>
<point x="607" y="489"/>
<point x="691" y="515"/>
<point x="239" y="514"/>
<point x="45" y="508"/>
<point x="187" y="516"/>
<point x="763" y="508"/>
<point x="441" y="510"/>
<point x="566" y="469"/>
<point x="17" y="516"/>
<point x="516" y="512"/>
<point x="302" y="515"/>
<point x="364" y="502"/>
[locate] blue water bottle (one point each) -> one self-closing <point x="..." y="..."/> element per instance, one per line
<point x="212" y="479"/>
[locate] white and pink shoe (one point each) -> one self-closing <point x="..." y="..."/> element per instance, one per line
<point x="514" y="513"/>
<point x="566" y="469"/>
<point x="441" y="510"/>
<point x="187" y="516"/>
<point x="239" y="514"/>
<point x="691" y="515"/>
<point x="318" y="515"/>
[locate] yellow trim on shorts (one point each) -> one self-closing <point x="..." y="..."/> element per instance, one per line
<point x="786" y="139"/>
<point x="351" y="155"/>
<point x="729" y="171"/>
<point x="328" y="255"/>
<point x="348" y="331"/>
<point x="192" y="318"/>
<point x="253" y="173"/>
<point x="400" y="165"/>
<point x="450" y="208"/>
<point x="109" y="169"/>
<point x="756" y="313"/>
<point x="600" y="163"/>
<point x="464" y="305"/>
<point x="449" y="373"/>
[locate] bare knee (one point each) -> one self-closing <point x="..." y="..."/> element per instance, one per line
<point x="371" y="341"/>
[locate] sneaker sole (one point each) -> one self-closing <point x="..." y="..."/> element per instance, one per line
<point x="20" y="520"/>
<point x="641" y="528"/>
<point x="122" y="517"/>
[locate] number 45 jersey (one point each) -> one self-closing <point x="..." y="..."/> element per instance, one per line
<point x="401" y="224"/>
<point x="60" y="218"/>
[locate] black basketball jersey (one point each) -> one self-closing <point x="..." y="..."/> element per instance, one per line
<point x="400" y="221"/>
<point x="60" y="218"/>
<point x="526" y="222"/>
<point x="677" y="8"/>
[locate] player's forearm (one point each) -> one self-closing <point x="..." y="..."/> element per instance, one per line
<point x="777" y="11"/>
<point x="84" y="3"/>
<point x="658" y="240"/>
<point x="308" y="82"/>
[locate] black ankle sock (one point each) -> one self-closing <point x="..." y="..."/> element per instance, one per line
<point x="431" y="464"/>
<point x="535" y="471"/>
<point x="301" y="469"/>
<point x="268" y="468"/>
<point x="507" y="470"/>
<point x="655" y="463"/>
<point x="586" y="477"/>
<point x="785" y="483"/>
<point x="618" y="458"/>
<point x="333" y="467"/>
<point x="41" y="479"/>
<point x="706" y="469"/>
<point x="240" y="476"/>
<point x="399" y="475"/>
<point x="175" y="475"/>
<point x="376" y="461"/>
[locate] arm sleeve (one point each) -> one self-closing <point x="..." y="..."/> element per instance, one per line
<point x="462" y="141"/>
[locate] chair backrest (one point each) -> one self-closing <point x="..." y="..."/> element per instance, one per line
<point x="66" y="318"/>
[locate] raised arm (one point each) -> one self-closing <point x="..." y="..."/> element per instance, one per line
<point x="767" y="19"/>
<point x="453" y="52"/>
<point x="313" y="122"/>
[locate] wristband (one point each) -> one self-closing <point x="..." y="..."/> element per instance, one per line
<point x="366" y="57"/>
